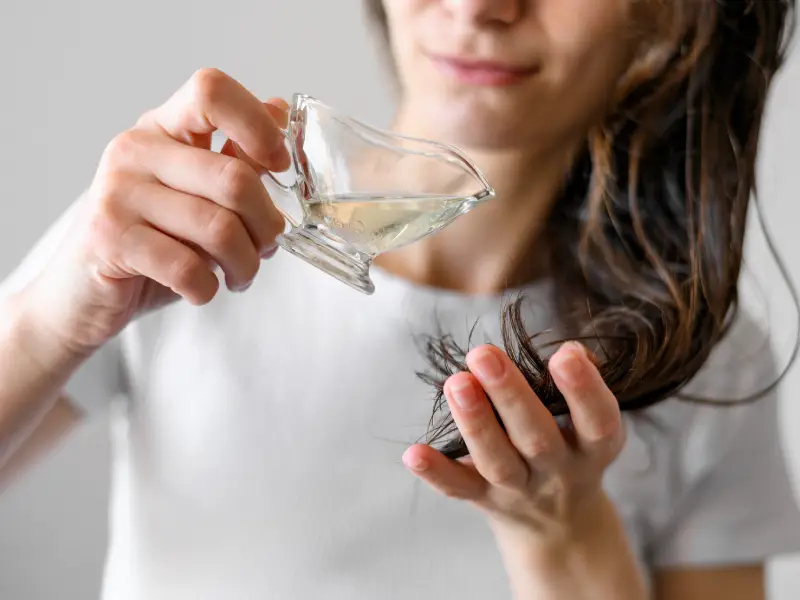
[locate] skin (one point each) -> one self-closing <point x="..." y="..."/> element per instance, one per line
<point x="163" y="209"/>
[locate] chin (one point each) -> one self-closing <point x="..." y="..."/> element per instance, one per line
<point x="476" y="123"/>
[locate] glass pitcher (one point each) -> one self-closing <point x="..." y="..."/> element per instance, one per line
<point x="363" y="191"/>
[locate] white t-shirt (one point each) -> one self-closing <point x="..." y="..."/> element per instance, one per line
<point x="257" y="444"/>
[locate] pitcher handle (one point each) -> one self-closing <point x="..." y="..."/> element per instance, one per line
<point x="286" y="189"/>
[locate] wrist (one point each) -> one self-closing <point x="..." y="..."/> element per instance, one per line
<point x="588" y="557"/>
<point x="561" y="531"/>
<point x="39" y="349"/>
<point x="34" y="368"/>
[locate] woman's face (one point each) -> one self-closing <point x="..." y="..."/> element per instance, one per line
<point x="509" y="73"/>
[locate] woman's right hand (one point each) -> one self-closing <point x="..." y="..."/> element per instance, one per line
<point x="163" y="210"/>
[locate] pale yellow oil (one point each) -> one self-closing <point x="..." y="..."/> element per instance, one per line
<point x="377" y="224"/>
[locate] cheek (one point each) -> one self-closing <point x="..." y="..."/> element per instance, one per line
<point x="402" y="17"/>
<point x="589" y="46"/>
<point x="581" y="31"/>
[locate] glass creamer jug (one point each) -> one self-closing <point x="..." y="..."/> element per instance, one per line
<point x="363" y="191"/>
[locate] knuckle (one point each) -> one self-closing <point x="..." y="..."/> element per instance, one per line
<point x="605" y="430"/>
<point x="207" y="84"/>
<point x="108" y="193"/>
<point x="502" y="474"/>
<point x="537" y="448"/>
<point x="123" y="147"/>
<point x="236" y="180"/>
<point x="103" y="229"/>
<point x="473" y="428"/>
<point x="145" y="120"/>
<point x="107" y="217"/>
<point x="223" y="229"/>
<point x="513" y="397"/>
<point x="113" y="194"/>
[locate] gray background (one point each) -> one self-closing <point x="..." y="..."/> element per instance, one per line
<point x="76" y="73"/>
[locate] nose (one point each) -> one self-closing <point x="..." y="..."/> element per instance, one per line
<point x="485" y="12"/>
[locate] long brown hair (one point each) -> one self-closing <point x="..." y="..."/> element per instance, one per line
<point x="649" y="230"/>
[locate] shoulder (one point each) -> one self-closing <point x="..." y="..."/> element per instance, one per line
<point x="715" y="461"/>
<point x="731" y="401"/>
<point x="741" y="371"/>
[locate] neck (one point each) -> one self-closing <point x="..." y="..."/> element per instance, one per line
<point x="493" y="247"/>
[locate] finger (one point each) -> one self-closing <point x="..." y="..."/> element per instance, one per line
<point x="530" y="426"/>
<point x="278" y="166"/>
<point x="278" y="108"/>
<point x="152" y="254"/>
<point x="229" y="148"/>
<point x="224" y="180"/>
<point x="449" y="477"/>
<point x="217" y="230"/>
<point x="212" y="100"/>
<point x="494" y="456"/>
<point x="595" y="412"/>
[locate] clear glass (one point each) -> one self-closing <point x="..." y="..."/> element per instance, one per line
<point x="363" y="191"/>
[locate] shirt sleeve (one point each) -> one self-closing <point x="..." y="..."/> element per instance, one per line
<point x="736" y="503"/>
<point x="100" y="378"/>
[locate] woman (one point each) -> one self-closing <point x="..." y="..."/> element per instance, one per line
<point x="256" y="436"/>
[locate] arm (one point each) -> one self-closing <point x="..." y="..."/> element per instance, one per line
<point x="34" y="368"/>
<point x="598" y="559"/>
<point x="136" y="241"/>
<point x="595" y="562"/>
<point x="735" y="583"/>
<point x="53" y="427"/>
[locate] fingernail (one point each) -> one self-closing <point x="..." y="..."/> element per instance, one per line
<point x="269" y="251"/>
<point x="463" y="393"/>
<point x="487" y="366"/>
<point x="569" y="364"/>
<point x="415" y="463"/>
<point x="243" y="287"/>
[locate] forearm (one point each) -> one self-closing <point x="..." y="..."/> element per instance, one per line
<point x="594" y="561"/>
<point x="34" y="368"/>
<point x="48" y="432"/>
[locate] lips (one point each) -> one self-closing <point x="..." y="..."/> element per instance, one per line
<point x="481" y="72"/>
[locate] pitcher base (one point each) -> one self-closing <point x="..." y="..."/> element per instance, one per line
<point x="318" y="252"/>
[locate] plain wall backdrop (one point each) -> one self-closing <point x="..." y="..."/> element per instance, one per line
<point x="76" y="73"/>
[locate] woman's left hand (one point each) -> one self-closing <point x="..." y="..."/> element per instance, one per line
<point x="539" y="484"/>
<point x="534" y="477"/>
